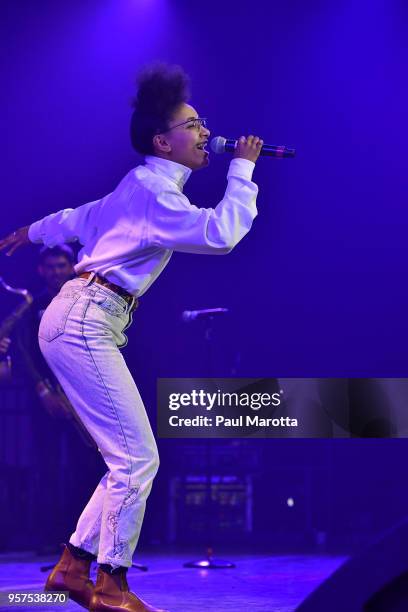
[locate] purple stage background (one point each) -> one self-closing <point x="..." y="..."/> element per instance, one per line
<point x="318" y="287"/>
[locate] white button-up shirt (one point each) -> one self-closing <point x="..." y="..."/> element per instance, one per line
<point x="129" y="235"/>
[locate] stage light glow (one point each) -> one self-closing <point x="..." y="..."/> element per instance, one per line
<point x="291" y="502"/>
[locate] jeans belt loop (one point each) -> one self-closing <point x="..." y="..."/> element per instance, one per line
<point x="90" y="279"/>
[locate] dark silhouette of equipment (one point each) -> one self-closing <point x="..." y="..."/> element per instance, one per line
<point x="375" y="580"/>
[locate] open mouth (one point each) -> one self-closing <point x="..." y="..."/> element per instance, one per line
<point x="201" y="146"/>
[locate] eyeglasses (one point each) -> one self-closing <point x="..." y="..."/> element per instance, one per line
<point x="196" y="123"/>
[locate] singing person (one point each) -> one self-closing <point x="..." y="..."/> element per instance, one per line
<point x="128" y="237"/>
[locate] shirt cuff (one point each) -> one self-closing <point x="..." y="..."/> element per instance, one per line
<point x="34" y="233"/>
<point x="241" y="168"/>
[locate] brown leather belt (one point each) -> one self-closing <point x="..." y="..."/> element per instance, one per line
<point x="128" y="297"/>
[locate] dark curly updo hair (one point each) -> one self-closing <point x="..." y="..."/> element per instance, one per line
<point x="161" y="90"/>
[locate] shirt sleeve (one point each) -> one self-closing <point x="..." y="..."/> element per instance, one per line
<point x="175" y="223"/>
<point x="67" y="225"/>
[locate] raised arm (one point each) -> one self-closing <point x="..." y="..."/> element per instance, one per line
<point x="66" y="225"/>
<point x="175" y="223"/>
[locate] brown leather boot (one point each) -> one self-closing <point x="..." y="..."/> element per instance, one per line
<point x="72" y="575"/>
<point x="112" y="593"/>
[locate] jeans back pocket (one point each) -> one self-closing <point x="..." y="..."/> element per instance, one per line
<point x="55" y="317"/>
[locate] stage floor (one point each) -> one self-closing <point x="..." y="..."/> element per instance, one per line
<point x="257" y="583"/>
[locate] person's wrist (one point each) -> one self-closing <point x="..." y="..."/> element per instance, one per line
<point x="241" y="168"/>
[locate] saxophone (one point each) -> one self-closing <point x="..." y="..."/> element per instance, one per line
<point x="8" y="324"/>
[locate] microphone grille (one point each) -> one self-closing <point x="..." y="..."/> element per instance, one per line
<point x="218" y="144"/>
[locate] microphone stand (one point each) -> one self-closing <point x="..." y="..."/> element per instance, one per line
<point x="209" y="561"/>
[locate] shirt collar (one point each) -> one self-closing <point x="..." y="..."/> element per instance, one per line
<point x="177" y="173"/>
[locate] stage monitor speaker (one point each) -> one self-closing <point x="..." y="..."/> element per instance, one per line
<point x="375" y="580"/>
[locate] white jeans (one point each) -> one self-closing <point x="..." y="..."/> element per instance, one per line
<point x="79" y="336"/>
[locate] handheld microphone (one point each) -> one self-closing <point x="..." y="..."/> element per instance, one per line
<point x="192" y="315"/>
<point x="228" y="145"/>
